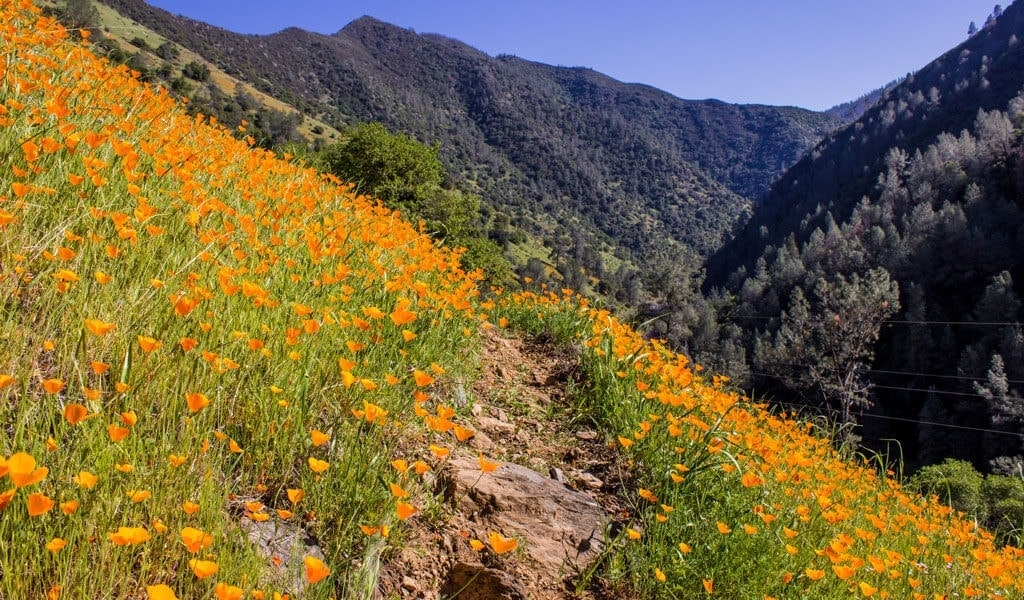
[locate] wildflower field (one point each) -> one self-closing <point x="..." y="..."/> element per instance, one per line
<point x="197" y="333"/>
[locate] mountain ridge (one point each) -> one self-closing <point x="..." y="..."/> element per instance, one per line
<point x="625" y="167"/>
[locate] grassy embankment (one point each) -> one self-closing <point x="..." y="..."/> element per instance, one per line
<point x="196" y="332"/>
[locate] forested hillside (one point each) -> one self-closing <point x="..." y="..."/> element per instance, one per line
<point x="602" y="172"/>
<point x="906" y="227"/>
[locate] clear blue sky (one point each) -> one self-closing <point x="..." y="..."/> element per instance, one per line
<point x="810" y="53"/>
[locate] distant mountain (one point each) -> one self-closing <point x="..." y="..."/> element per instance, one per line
<point x="850" y="111"/>
<point x="601" y="170"/>
<point x="926" y="189"/>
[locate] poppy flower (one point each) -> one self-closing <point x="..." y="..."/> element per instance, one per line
<point x="195" y="539"/>
<point x="39" y="504"/>
<point x="6" y="380"/>
<point x="160" y="592"/>
<point x="85" y="479"/>
<point x="6" y="497"/>
<point x="422" y="378"/>
<point x="176" y="460"/>
<point x="190" y="507"/>
<point x="98" y="327"/>
<point x="317" y="465"/>
<point x="52" y="386"/>
<point x="69" y="507"/>
<point x="202" y="568"/>
<point x="223" y="591"/>
<point x="21" y="468"/>
<point x="139" y="496"/>
<point x="196" y="401"/>
<point x="316" y="570"/>
<point x="117" y="433"/>
<point x="148" y="344"/>
<point x="501" y="544"/>
<point x="127" y="536"/>
<point x="486" y="465"/>
<point x="397" y="491"/>
<point x="463" y="433"/>
<point x="75" y="413"/>
<point x="405" y="510"/>
<point x="56" y="545"/>
<point x="295" y="495"/>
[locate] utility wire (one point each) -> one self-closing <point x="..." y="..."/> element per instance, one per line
<point x="834" y="412"/>
<point x="901" y="321"/>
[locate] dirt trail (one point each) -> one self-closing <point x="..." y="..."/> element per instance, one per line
<point x="556" y="490"/>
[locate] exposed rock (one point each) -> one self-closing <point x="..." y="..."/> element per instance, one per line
<point x="561" y="529"/>
<point x="476" y="582"/>
<point x="481" y="442"/>
<point x="586" y="434"/>
<point x="283" y="546"/>
<point x="495" y="426"/>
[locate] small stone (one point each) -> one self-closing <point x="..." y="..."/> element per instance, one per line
<point x="588" y="480"/>
<point x="557" y="474"/>
<point x="495" y="426"/>
<point x="477" y="409"/>
<point x="586" y="434"/>
<point x="410" y="584"/>
<point x="502" y="416"/>
<point x="481" y="442"/>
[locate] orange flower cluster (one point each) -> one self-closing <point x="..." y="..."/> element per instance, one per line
<point x="209" y="289"/>
<point x="815" y="523"/>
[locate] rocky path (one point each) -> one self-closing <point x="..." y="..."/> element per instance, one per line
<point x="555" y="490"/>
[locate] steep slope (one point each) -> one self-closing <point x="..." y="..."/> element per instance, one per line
<point x="945" y="96"/>
<point x="567" y="152"/>
<point x="925" y="189"/>
<point x="224" y="376"/>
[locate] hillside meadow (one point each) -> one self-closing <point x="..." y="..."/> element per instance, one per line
<point x="199" y="334"/>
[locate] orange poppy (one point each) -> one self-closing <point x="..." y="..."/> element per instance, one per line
<point x="501" y="544"/>
<point x="196" y="401"/>
<point x="316" y="570"/>
<point x="148" y="344"/>
<point x="126" y="536"/>
<point x="405" y="510"/>
<point x="75" y="413"/>
<point x="39" y="504"/>
<point x="117" y="433"/>
<point x="195" y="539"/>
<point x="52" y="386"/>
<point x="97" y="327"/>
<point x="85" y="479"/>
<point x="422" y="378"/>
<point x="21" y="468"/>
<point x="487" y="466"/>
<point x="160" y="592"/>
<point x="202" y="568"/>
<point x="463" y="433"/>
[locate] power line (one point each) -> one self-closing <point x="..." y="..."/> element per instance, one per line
<point x="936" y="376"/>
<point x="905" y="420"/>
<point x="907" y="374"/>
<point x="901" y="321"/>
